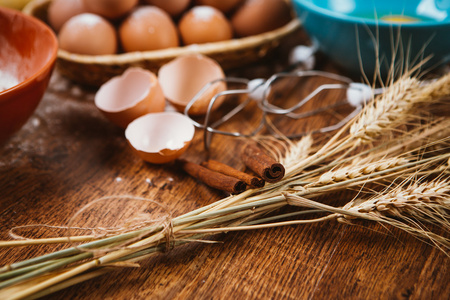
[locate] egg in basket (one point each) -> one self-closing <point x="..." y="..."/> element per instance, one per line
<point x="100" y="39"/>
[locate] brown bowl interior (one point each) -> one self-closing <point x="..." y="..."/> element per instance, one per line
<point x="26" y="48"/>
<point x="28" y="52"/>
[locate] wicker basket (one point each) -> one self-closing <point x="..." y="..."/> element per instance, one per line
<point x="95" y="70"/>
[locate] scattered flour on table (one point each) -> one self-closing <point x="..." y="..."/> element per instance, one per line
<point x="55" y="123"/>
<point x="7" y="81"/>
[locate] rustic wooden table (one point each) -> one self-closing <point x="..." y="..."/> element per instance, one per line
<point x="68" y="155"/>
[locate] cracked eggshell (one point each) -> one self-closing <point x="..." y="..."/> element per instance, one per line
<point x="159" y="138"/>
<point x="182" y="78"/>
<point x="126" y="97"/>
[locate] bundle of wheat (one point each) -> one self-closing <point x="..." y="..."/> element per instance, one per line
<point x="415" y="164"/>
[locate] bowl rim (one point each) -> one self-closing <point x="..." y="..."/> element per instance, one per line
<point x="53" y="54"/>
<point x="366" y="21"/>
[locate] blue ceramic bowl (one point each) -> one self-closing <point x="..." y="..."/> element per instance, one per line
<point x="353" y="33"/>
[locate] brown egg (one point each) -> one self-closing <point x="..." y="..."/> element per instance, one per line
<point x="133" y="94"/>
<point x="88" y="34"/>
<point x="159" y="138"/>
<point x="259" y="16"/>
<point x="182" y="78"/>
<point x="222" y="5"/>
<point x="148" y="28"/>
<point x="204" y="24"/>
<point x="172" y="7"/>
<point x="59" y="11"/>
<point x="111" y="9"/>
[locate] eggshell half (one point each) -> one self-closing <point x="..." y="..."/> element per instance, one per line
<point x="133" y="94"/>
<point x="182" y="78"/>
<point x="160" y="137"/>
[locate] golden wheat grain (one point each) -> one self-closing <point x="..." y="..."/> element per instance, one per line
<point x="428" y="201"/>
<point x="297" y="150"/>
<point x="438" y="88"/>
<point x="386" y="112"/>
<point x="358" y="170"/>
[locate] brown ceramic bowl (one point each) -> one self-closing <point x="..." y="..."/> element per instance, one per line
<point x="28" y="51"/>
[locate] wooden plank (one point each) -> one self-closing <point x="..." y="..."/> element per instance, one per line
<point x="69" y="155"/>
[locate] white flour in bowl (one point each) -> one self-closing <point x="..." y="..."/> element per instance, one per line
<point x="7" y="80"/>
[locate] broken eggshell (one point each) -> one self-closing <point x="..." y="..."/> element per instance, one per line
<point x="159" y="138"/>
<point x="126" y="97"/>
<point x="182" y="78"/>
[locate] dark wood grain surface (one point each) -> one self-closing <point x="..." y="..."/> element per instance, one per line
<point x="68" y="155"/>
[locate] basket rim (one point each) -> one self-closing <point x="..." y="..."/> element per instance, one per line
<point x="168" y="53"/>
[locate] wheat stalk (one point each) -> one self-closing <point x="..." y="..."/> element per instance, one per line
<point x="397" y="106"/>
<point x="355" y="171"/>
<point x="406" y="208"/>
<point x="439" y="88"/>
<point x="297" y="151"/>
<point x="387" y="112"/>
<point x="428" y="201"/>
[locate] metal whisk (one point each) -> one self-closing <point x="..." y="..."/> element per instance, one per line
<point x="258" y="90"/>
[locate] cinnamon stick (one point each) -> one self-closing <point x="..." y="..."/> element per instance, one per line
<point x="262" y="164"/>
<point x="251" y="181"/>
<point x="213" y="179"/>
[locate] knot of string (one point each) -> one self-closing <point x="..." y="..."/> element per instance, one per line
<point x="168" y="232"/>
<point x="124" y="236"/>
